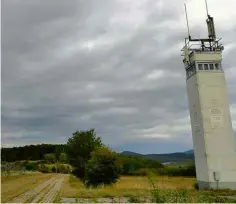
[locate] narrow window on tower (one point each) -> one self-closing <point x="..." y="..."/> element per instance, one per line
<point x="217" y="66"/>
<point x="211" y="66"/>
<point x="200" y="67"/>
<point x="194" y="69"/>
<point x="205" y="66"/>
<point x="188" y="73"/>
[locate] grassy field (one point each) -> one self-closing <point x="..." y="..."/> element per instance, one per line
<point x="13" y="186"/>
<point x="127" y="186"/>
<point x="134" y="188"/>
<point x="138" y="188"/>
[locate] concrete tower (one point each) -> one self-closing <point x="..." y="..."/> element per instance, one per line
<point x="212" y="132"/>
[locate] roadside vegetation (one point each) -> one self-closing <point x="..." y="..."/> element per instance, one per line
<point x="151" y="188"/>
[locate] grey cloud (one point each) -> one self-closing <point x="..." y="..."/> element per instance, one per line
<point x="53" y="85"/>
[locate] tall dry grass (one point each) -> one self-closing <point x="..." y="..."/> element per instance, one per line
<point x="126" y="186"/>
<point x="13" y="186"/>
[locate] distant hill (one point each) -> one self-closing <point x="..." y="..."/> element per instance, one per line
<point x="189" y="151"/>
<point x="128" y="153"/>
<point x="178" y="157"/>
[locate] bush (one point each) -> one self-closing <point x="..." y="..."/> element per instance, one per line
<point x="167" y="196"/>
<point x="31" y="166"/>
<point x="50" y="158"/>
<point x="188" y="171"/>
<point x="133" y="199"/>
<point x="136" y="165"/>
<point x="162" y="171"/>
<point x="63" y="158"/>
<point x="140" y="172"/>
<point x="178" y="196"/>
<point x="54" y="169"/>
<point x="158" y="196"/>
<point x="143" y="172"/>
<point x="43" y="168"/>
<point x="196" y="186"/>
<point x="64" y="169"/>
<point x="205" y="198"/>
<point x="102" y="168"/>
<point x="170" y="196"/>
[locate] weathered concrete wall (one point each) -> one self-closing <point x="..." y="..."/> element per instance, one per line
<point x="212" y="130"/>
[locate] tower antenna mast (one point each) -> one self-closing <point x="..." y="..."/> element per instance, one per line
<point x="206" y="8"/>
<point x="187" y="20"/>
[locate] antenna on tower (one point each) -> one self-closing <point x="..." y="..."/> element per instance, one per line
<point x="206" y="7"/>
<point x="209" y="43"/>
<point x="187" y="20"/>
<point x="210" y="24"/>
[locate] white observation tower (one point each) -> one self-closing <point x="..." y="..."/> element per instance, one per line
<point x="212" y="132"/>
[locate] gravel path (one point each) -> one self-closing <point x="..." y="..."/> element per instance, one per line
<point x="45" y="192"/>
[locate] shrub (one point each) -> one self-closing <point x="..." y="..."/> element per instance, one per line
<point x="205" y="198"/>
<point x="188" y="171"/>
<point x="167" y="196"/>
<point x="133" y="199"/>
<point x="215" y="196"/>
<point x="170" y="196"/>
<point x="137" y="165"/>
<point x="63" y="158"/>
<point x="53" y="169"/>
<point x="31" y="166"/>
<point x="143" y="172"/>
<point x="196" y="186"/>
<point x="178" y="196"/>
<point x="162" y="171"/>
<point x="50" y="158"/>
<point x="64" y="169"/>
<point x="158" y="196"/>
<point x="102" y="168"/>
<point x="43" y="168"/>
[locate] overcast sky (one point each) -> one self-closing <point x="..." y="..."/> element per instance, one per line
<point x="112" y="65"/>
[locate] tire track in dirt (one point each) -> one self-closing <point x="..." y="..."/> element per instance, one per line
<point x="29" y="194"/>
<point x="51" y="186"/>
<point x="51" y="195"/>
<point x="42" y="193"/>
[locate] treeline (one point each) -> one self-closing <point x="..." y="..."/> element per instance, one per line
<point x="30" y="152"/>
<point x="139" y="166"/>
<point x="136" y="165"/>
<point x="78" y="153"/>
<point x="131" y="164"/>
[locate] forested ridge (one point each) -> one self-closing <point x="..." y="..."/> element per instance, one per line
<point x="30" y="152"/>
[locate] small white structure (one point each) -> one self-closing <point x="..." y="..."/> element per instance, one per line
<point x="212" y="132"/>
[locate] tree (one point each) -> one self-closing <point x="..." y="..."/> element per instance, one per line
<point x="102" y="168"/>
<point x="79" y="147"/>
<point x="63" y="158"/>
<point x="50" y="158"/>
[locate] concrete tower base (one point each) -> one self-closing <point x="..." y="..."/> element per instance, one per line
<point x="215" y="185"/>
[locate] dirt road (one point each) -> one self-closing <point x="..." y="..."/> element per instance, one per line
<point x="43" y="193"/>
